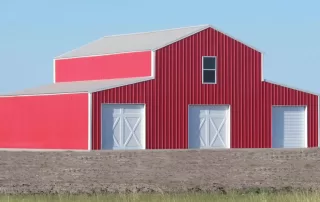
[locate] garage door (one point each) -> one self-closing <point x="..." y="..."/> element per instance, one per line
<point x="289" y="128"/>
<point x="209" y="126"/>
<point x="123" y="126"/>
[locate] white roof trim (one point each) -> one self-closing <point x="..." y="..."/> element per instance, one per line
<point x="201" y="28"/>
<point x="78" y="87"/>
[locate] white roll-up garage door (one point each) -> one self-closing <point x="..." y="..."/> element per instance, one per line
<point x="209" y="126"/>
<point x="289" y="127"/>
<point x="123" y="126"/>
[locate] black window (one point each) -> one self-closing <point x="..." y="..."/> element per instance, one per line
<point x="209" y="67"/>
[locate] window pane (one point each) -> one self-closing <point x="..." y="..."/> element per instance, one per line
<point x="209" y="76"/>
<point x="209" y="63"/>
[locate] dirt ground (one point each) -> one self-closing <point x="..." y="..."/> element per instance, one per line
<point x="165" y="171"/>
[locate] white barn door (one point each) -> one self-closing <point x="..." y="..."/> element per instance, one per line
<point x="209" y="126"/>
<point x="123" y="126"/>
<point x="289" y="127"/>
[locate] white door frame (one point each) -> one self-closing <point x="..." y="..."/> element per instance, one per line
<point x="143" y="123"/>
<point x="305" y="121"/>
<point x="228" y="122"/>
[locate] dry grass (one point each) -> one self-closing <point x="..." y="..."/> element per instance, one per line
<point x="289" y="197"/>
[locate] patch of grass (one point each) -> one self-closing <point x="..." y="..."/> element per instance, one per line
<point x="251" y="197"/>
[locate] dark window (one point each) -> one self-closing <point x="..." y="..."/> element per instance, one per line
<point x="209" y="63"/>
<point x="209" y="69"/>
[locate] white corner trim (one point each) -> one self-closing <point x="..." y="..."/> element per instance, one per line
<point x="89" y="121"/>
<point x="54" y="71"/>
<point x="262" y="57"/>
<point x="306" y="126"/>
<point x="153" y="64"/>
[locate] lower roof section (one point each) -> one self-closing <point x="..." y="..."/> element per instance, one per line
<point x="286" y="86"/>
<point x="78" y="86"/>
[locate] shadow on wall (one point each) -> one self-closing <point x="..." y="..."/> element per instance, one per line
<point x="194" y="129"/>
<point x="277" y="128"/>
<point x="109" y="127"/>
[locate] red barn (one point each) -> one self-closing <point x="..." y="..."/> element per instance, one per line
<point x="192" y="87"/>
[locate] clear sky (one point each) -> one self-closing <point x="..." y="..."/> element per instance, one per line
<point x="33" y="32"/>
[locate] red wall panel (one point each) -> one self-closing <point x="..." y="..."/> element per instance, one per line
<point x="44" y="122"/>
<point x="178" y="83"/>
<point x="137" y="64"/>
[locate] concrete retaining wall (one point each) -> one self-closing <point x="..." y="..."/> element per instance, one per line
<point x="159" y="171"/>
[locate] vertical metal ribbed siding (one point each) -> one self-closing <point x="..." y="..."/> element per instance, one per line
<point x="277" y="95"/>
<point x="178" y="84"/>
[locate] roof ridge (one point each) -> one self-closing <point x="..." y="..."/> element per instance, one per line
<point x="160" y="30"/>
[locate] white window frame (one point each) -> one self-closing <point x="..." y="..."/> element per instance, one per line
<point x="203" y="70"/>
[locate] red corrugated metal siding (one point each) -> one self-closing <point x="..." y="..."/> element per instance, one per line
<point x="103" y="67"/>
<point x="277" y="95"/>
<point x="178" y="84"/>
<point x="44" y="122"/>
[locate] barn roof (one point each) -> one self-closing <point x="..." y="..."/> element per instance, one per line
<point x="133" y="42"/>
<point x="79" y="86"/>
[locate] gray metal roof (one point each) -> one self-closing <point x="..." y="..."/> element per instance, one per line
<point x="133" y="42"/>
<point x="79" y="86"/>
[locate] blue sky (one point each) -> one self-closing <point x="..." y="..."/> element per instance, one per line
<point x="33" y="32"/>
